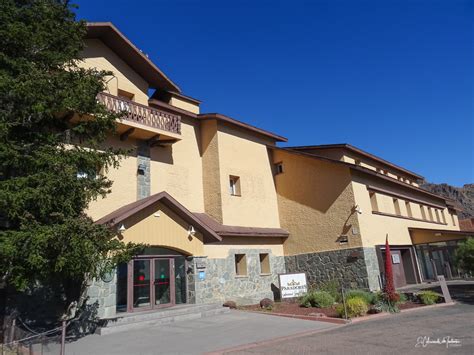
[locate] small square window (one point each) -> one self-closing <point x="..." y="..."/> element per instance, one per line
<point x="264" y="263"/>
<point x="234" y="185"/>
<point x="278" y="168"/>
<point x="240" y="264"/>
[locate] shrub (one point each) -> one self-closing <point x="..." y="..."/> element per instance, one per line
<point x="368" y="297"/>
<point x="230" y="304"/>
<point x="356" y="306"/>
<point x="320" y="299"/>
<point x="403" y="298"/>
<point x="266" y="303"/>
<point x="428" y="297"/>
<point x="332" y="287"/>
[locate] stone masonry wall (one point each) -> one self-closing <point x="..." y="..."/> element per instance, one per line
<point x="103" y="295"/>
<point x="222" y="284"/>
<point x="143" y="170"/>
<point x="347" y="265"/>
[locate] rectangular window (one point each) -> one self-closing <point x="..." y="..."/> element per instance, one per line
<point x="240" y="264"/>
<point x="125" y="95"/>
<point x="408" y="207"/>
<point x="373" y="201"/>
<point x="443" y="216"/>
<point x="438" y="219"/>
<point x="453" y="219"/>
<point x="264" y="263"/>
<point x="430" y="213"/>
<point x="234" y="185"/>
<point x="423" y="212"/>
<point x="396" y="204"/>
<point x="278" y="168"/>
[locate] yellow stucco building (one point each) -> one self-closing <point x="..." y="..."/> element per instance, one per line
<point x="223" y="210"/>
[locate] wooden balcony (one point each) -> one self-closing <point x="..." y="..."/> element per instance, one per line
<point x="143" y="122"/>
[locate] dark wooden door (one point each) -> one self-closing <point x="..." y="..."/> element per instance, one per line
<point x="398" y="270"/>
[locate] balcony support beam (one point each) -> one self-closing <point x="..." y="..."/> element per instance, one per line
<point x="124" y="135"/>
<point x="153" y="140"/>
<point x="164" y="143"/>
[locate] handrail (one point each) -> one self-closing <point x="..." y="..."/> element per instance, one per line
<point x="141" y="113"/>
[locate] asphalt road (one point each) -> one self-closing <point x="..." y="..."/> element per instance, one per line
<point x="397" y="334"/>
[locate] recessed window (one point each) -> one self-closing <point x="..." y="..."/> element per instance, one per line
<point x="234" y="185"/>
<point x="396" y="204"/>
<point x="430" y="213"/>
<point x="438" y="219"/>
<point x="357" y="162"/>
<point x="423" y="212"/>
<point x="264" y="263"/>
<point x="408" y="207"/>
<point x="453" y="219"/>
<point x="240" y="264"/>
<point x="443" y="216"/>
<point x="125" y="95"/>
<point x="278" y="168"/>
<point x="373" y="201"/>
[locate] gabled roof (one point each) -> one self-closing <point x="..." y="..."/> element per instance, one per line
<point x="238" y="231"/>
<point x="357" y="151"/>
<point x="126" y="50"/>
<point x="126" y="211"/>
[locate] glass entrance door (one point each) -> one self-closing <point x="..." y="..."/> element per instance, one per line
<point x="153" y="283"/>
<point x="141" y="283"/>
<point x="163" y="282"/>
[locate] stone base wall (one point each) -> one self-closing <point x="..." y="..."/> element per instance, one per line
<point x="103" y="295"/>
<point x="349" y="266"/>
<point x="221" y="284"/>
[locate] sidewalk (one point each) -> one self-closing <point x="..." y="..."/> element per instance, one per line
<point x="194" y="337"/>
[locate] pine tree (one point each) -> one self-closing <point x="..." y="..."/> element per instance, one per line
<point x="45" y="145"/>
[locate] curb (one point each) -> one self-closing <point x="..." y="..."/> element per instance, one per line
<point x="385" y="314"/>
<point x="313" y="318"/>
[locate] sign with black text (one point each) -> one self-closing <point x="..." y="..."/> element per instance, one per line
<point x="293" y="285"/>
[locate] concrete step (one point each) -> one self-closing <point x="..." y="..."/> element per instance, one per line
<point x="140" y="320"/>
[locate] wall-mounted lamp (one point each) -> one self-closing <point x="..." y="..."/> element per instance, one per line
<point x="358" y="209"/>
<point x="191" y="231"/>
<point x="122" y="228"/>
<point x="141" y="169"/>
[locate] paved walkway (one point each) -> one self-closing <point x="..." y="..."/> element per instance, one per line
<point x="396" y="334"/>
<point x="193" y="337"/>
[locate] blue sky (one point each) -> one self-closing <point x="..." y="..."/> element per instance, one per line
<point x="394" y="78"/>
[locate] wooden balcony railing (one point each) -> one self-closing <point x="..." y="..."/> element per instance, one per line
<point x="142" y="114"/>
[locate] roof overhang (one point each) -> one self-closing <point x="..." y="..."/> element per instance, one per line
<point x="124" y="212"/>
<point x="351" y="148"/>
<point x="130" y="54"/>
<point x="238" y="231"/>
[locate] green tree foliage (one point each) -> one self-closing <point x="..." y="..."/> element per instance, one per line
<point x="47" y="136"/>
<point x="465" y="255"/>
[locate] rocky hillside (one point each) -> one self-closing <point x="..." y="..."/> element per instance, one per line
<point x="463" y="195"/>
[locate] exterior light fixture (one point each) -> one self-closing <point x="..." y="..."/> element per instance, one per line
<point x="191" y="231"/>
<point x="358" y="209"/>
<point x="121" y="228"/>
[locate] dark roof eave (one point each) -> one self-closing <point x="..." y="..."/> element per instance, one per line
<point x="224" y="118"/>
<point x="361" y="152"/>
<point x="127" y="211"/>
<point x="130" y="54"/>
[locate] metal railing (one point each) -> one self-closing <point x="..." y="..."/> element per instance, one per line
<point x="142" y="114"/>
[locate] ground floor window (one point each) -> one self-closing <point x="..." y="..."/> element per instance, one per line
<point x="437" y="259"/>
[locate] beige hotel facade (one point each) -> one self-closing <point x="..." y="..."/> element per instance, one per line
<point x="223" y="209"/>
